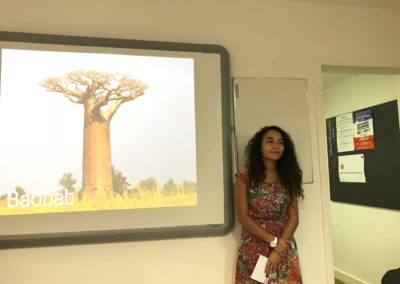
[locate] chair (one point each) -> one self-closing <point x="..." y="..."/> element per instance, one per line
<point x="391" y="277"/>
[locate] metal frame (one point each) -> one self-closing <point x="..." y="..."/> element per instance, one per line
<point x="85" y="237"/>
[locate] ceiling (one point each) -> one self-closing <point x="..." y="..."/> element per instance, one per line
<point x="380" y="4"/>
<point x="331" y="79"/>
<point x="332" y="75"/>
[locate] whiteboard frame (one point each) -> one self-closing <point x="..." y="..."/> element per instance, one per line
<point x="105" y="236"/>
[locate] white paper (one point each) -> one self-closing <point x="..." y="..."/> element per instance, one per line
<point x="351" y="168"/>
<point x="344" y="130"/>
<point x="259" y="270"/>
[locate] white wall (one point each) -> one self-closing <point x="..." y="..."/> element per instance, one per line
<point x="265" y="38"/>
<point x="365" y="239"/>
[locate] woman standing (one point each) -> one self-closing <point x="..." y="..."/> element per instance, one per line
<point x="266" y="194"/>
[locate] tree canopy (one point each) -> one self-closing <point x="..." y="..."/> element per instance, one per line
<point x="101" y="90"/>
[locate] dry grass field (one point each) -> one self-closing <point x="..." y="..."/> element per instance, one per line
<point x="139" y="198"/>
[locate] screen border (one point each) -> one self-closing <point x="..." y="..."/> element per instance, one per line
<point x="107" y="236"/>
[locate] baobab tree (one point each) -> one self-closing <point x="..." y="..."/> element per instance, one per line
<point x="101" y="94"/>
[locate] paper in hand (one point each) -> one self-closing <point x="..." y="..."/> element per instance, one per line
<point x="259" y="270"/>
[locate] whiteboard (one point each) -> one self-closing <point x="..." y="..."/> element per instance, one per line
<point x="273" y="101"/>
<point x="206" y="90"/>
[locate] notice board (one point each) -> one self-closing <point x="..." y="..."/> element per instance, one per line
<point x="381" y="163"/>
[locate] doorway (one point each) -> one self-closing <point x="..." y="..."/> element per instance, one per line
<point x="364" y="238"/>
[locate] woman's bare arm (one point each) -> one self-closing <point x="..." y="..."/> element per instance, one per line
<point x="242" y="213"/>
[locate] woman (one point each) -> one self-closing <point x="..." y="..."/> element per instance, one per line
<point x="266" y="194"/>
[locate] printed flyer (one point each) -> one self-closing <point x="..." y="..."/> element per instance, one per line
<point x="363" y="129"/>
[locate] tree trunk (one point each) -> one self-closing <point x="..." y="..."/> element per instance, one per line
<point x="97" y="166"/>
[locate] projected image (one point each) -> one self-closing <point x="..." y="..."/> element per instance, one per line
<point x="92" y="131"/>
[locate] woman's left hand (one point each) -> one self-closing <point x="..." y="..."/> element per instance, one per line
<point x="282" y="246"/>
<point x="273" y="260"/>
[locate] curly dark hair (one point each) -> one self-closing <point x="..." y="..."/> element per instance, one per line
<point x="287" y="166"/>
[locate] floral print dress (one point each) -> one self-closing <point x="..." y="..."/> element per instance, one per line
<point x="268" y="205"/>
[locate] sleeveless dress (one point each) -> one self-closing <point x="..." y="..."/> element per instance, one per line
<point x="268" y="205"/>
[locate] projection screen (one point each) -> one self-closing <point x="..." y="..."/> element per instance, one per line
<point x="112" y="140"/>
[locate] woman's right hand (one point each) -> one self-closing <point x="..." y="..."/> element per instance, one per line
<point x="272" y="263"/>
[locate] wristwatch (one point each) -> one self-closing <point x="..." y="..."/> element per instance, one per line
<point x="274" y="243"/>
